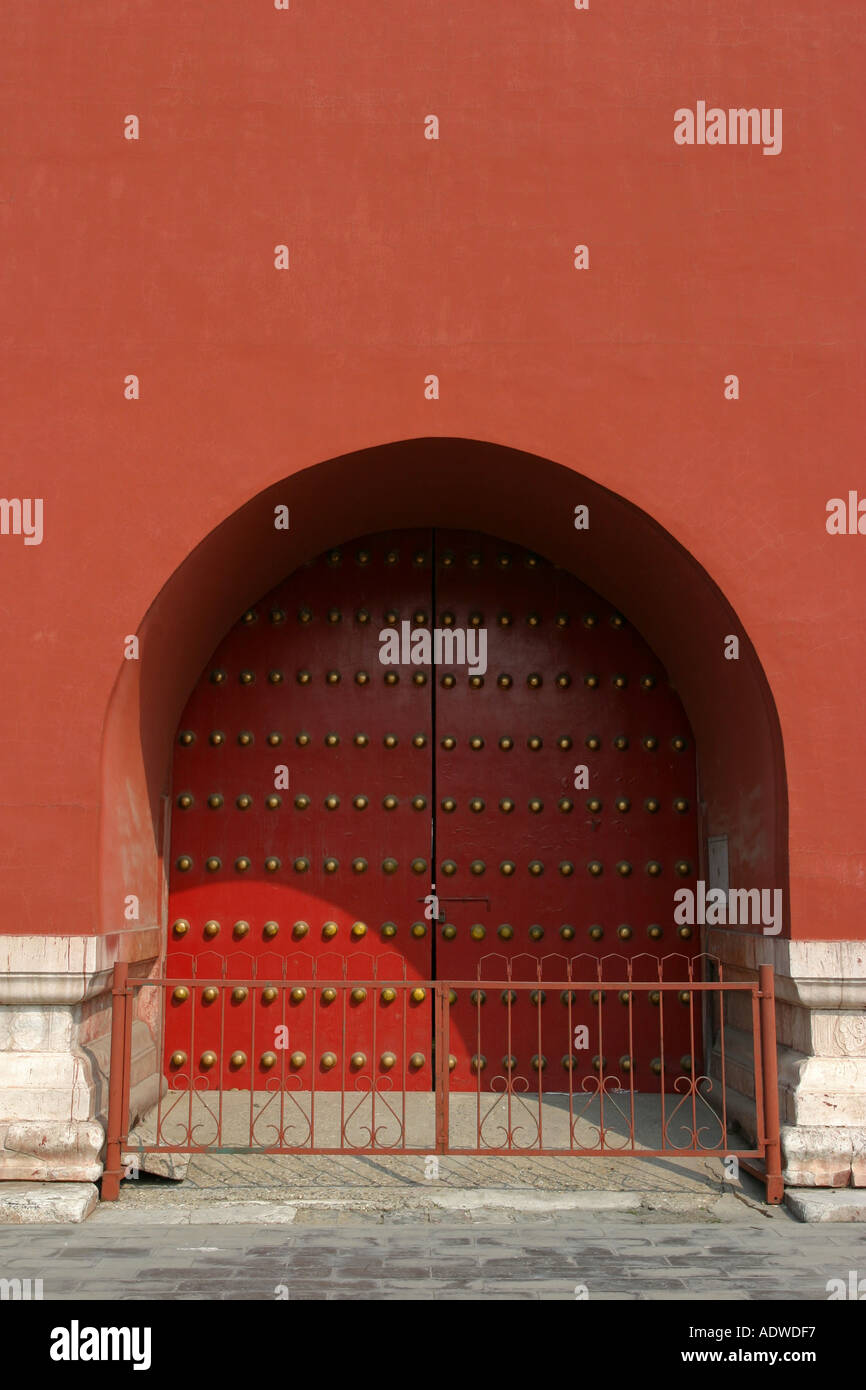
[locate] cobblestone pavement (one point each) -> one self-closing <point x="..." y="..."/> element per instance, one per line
<point x="747" y="1254"/>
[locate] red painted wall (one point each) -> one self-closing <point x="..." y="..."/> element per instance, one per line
<point x="411" y="257"/>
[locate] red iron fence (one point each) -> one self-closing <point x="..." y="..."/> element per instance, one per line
<point x="596" y="1074"/>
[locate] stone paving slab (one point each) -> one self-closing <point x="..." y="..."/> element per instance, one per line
<point x="548" y="1174"/>
<point x="735" y="1253"/>
<point x="283" y="1188"/>
<point x="829" y="1204"/>
<point x="296" y="1175"/>
<point x="28" y="1203"/>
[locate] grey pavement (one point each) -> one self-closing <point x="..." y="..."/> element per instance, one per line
<point x="733" y="1251"/>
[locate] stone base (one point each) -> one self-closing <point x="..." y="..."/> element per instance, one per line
<point x="55" y="1027"/>
<point x="23" y="1204"/>
<point x="821" y="1052"/>
<point x="51" y="1151"/>
<point x="824" y="1155"/>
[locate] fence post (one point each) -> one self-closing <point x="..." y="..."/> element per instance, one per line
<point x="113" y="1170"/>
<point x="769" y="1066"/>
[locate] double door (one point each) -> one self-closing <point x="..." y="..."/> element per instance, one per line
<point x="348" y="807"/>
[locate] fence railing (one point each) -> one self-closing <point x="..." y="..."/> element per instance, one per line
<point x="579" y="1066"/>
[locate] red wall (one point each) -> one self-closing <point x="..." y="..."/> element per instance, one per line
<point x="412" y="257"/>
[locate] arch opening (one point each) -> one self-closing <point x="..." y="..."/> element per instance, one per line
<point x="434" y="755"/>
<point x="626" y="557"/>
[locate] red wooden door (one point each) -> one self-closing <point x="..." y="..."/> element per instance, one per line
<point x="407" y="778"/>
<point x="326" y="877"/>
<point x="556" y="871"/>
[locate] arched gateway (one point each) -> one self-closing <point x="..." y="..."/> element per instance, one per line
<point x="430" y="752"/>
